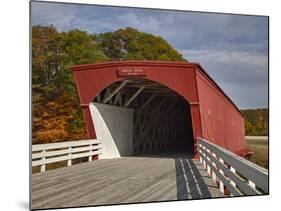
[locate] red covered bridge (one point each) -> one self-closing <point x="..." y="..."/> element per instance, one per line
<point x="182" y="93"/>
<point x="147" y="121"/>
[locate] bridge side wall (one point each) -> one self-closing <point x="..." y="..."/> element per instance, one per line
<point x="114" y="127"/>
<point x="221" y="122"/>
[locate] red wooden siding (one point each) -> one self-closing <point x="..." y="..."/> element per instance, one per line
<point x="214" y="116"/>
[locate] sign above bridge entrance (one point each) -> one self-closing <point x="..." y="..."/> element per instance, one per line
<point x="131" y="72"/>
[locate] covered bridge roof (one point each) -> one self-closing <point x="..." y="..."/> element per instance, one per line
<point x="197" y="66"/>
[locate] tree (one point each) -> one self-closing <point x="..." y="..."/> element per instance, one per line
<point x="130" y="44"/>
<point x="256" y="121"/>
<point x="56" y="113"/>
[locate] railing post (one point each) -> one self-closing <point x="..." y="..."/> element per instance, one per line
<point x="208" y="167"/>
<point x="43" y="166"/>
<point x="226" y="168"/>
<point x="199" y="152"/>
<point x="69" y="162"/>
<point x="204" y="162"/>
<point x="231" y="181"/>
<point x="90" y="157"/>
<point x="234" y="171"/>
<point x="253" y="185"/>
<point x="214" y="176"/>
<point x="221" y="183"/>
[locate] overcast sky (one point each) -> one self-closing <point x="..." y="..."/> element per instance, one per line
<point x="233" y="49"/>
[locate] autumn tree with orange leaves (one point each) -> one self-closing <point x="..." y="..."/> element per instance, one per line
<point x="56" y="113"/>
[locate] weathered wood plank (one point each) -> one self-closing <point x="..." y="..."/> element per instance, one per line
<point x="123" y="180"/>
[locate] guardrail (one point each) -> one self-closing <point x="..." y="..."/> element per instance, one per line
<point x="43" y="154"/>
<point x="256" y="138"/>
<point x="238" y="175"/>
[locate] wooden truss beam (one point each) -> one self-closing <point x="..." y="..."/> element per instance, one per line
<point x="134" y="96"/>
<point x="139" y="111"/>
<point x="118" y="99"/>
<point x="98" y="98"/>
<point x="147" y="102"/>
<point x="152" y="120"/>
<point x="107" y="98"/>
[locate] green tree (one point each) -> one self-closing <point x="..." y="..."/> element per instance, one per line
<point x="45" y="50"/>
<point x="130" y="44"/>
<point x="256" y="121"/>
<point x="53" y="84"/>
<point x="56" y="112"/>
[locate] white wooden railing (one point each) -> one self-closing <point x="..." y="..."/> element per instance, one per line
<point x="43" y="154"/>
<point x="256" y="138"/>
<point x="238" y="175"/>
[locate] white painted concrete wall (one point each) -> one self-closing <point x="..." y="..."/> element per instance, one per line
<point x="114" y="128"/>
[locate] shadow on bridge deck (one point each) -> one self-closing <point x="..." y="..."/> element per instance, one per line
<point x="141" y="178"/>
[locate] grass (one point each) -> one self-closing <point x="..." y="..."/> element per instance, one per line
<point x="260" y="149"/>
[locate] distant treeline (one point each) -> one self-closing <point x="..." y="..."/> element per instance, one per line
<point x="256" y="121"/>
<point x="56" y="113"/>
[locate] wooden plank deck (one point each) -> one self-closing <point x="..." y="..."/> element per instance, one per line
<point x="123" y="180"/>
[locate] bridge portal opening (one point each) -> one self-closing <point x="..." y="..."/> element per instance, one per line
<point x="138" y="116"/>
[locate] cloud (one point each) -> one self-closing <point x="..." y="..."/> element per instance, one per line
<point x="183" y="29"/>
<point x="57" y="14"/>
<point x="242" y="75"/>
<point x="232" y="48"/>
